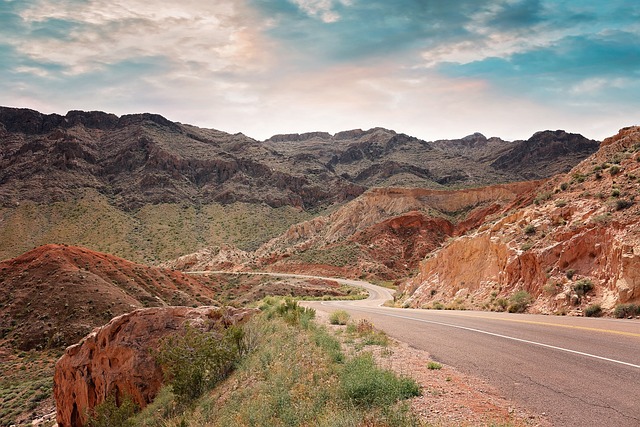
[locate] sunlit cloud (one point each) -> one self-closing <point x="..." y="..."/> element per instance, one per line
<point x="432" y="69"/>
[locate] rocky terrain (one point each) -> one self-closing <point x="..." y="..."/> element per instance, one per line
<point x="148" y="189"/>
<point x="382" y="234"/>
<point x="573" y="248"/>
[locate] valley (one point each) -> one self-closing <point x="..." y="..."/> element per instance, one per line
<point x="103" y="216"/>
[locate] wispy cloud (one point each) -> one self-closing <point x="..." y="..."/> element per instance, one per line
<point x="433" y="69"/>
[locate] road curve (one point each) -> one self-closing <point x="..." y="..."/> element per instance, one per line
<point x="577" y="371"/>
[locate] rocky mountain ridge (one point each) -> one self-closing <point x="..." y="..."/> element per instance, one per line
<point x="146" y="159"/>
<point x="575" y="247"/>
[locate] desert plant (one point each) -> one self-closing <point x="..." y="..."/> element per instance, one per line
<point x="364" y="384"/>
<point x="519" y="302"/>
<point x="530" y="229"/>
<point x="109" y="414"/>
<point x="594" y="310"/>
<point x="623" y="204"/>
<point x="434" y="366"/>
<point x="615" y="192"/>
<point x="582" y="287"/>
<point x="614" y="170"/>
<point x="570" y="273"/>
<point x="195" y="361"/>
<point x="339" y="317"/>
<point x="626" y="310"/>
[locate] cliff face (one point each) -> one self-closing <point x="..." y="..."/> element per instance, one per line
<point x="580" y="228"/>
<point x="117" y="358"/>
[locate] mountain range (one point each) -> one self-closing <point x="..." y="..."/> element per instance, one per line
<point x="148" y="189"/>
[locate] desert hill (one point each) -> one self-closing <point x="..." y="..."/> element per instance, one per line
<point x="55" y="294"/>
<point x="575" y="246"/>
<point x="148" y="189"/>
<point x="382" y="234"/>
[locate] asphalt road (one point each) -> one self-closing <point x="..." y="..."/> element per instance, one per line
<point x="577" y="371"/>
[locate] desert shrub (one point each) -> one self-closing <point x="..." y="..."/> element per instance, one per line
<point x="615" y="192"/>
<point x="329" y="344"/>
<point x="526" y="246"/>
<point x="542" y="197"/>
<point x="582" y="287"/>
<point x="552" y="288"/>
<point x="614" y="170"/>
<point x="564" y="186"/>
<point x="364" y="384"/>
<point x="195" y="361"/>
<point x="530" y="229"/>
<point x="626" y="310"/>
<point x="437" y="305"/>
<point x="519" y="302"/>
<point x="623" y="204"/>
<point x="434" y="366"/>
<point x="289" y="310"/>
<point x="501" y="304"/>
<point x="109" y="414"/>
<point x="561" y="203"/>
<point x="594" y="310"/>
<point x="339" y="317"/>
<point x="570" y="273"/>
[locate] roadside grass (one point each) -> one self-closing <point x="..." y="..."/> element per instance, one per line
<point x="296" y="375"/>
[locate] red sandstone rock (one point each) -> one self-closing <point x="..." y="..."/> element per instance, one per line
<point x="116" y="358"/>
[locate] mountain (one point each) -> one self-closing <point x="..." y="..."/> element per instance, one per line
<point x="148" y="189"/>
<point x="573" y="247"/>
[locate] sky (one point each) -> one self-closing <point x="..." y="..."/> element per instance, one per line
<point x="434" y="69"/>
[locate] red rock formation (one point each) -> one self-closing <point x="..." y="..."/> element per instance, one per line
<point x="583" y="225"/>
<point x="116" y="358"/>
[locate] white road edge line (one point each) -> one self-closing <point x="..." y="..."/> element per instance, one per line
<point x="511" y="338"/>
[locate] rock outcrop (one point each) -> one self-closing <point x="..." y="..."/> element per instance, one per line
<point x="117" y="358"/>
<point x="580" y="231"/>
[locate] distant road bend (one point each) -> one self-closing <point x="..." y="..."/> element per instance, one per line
<point x="578" y="371"/>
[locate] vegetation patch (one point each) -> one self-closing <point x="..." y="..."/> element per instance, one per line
<point x="519" y="302"/>
<point x="626" y="310"/>
<point x="292" y="377"/>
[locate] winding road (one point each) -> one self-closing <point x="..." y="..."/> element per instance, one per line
<point x="577" y="371"/>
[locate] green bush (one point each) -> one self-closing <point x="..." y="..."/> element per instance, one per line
<point x="195" y="361"/>
<point x="530" y="229"/>
<point x="614" y="170"/>
<point x="109" y="414"/>
<point x="434" y="366"/>
<point x="339" y="317"/>
<point x="289" y="310"/>
<point x="622" y="204"/>
<point x="570" y="273"/>
<point x="593" y="310"/>
<point x="519" y="302"/>
<point x="364" y="384"/>
<point x="626" y="310"/>
<point x="582" y="287"/>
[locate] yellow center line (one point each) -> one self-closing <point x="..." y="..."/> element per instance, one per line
<point x="533" y="322"/>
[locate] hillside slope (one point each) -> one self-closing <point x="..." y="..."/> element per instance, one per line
<point x="576" y="245"/>
<point x="55" y="294"/>
<point x="382" y="234"/>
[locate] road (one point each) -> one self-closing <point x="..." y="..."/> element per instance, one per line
<point x="577" y="371"/>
